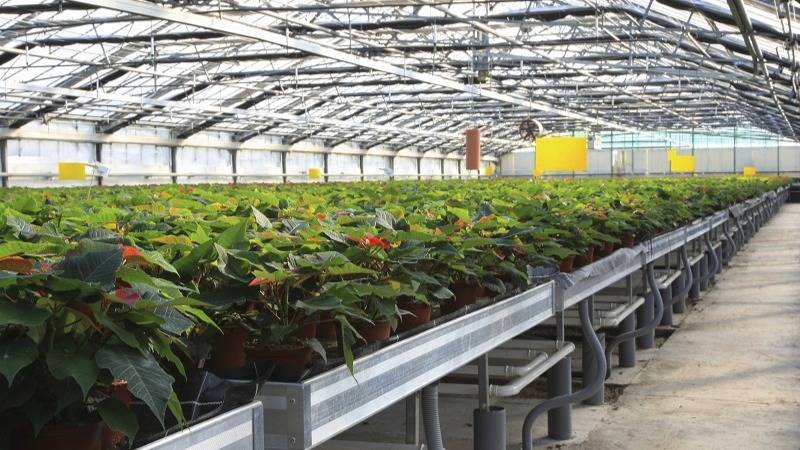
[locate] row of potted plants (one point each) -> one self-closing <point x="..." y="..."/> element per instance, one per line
<point x="114" y="296"/>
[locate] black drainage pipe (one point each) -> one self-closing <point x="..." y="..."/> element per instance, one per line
<point x="576" y="397"/>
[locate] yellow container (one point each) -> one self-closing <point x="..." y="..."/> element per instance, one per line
<point x="71" y="171"/>
<point x="314" y="173"/>
<point x="561" y="154"/>
<point x="749" y="171"/>
<point x="488" y="170"/>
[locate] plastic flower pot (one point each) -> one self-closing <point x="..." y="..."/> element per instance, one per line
<point x="566" y="264"/>
<point x="420" y="315"/>
<point x="326" y="329"/>
<point x="228" y="351"/>
<point x="61" y="437"/>
<point x="376" y="331"/>
<point x="465" y="294"/>
<point x="306" y="331"/>
<point x="628" y="240"/>
<point x="587" y="257"/>
<point x="290" y="360"/>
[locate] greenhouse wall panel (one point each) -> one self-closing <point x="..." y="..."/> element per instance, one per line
<point x="135" y="159"/>
<point x="451" y="166"/>
<point x="259" y="162"/>
<point x="42" y="157"/>
<point x="405" y="167"/>
<point x="431" y="167"/>
<point x="202" y="160"/>
<point x="374" y="164"/>
<point x="343" y="167"/>
<point x="299" y="163"/>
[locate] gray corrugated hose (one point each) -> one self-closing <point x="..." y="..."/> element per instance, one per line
<point x="575" y="397"/>
<point x="430" y="417"/>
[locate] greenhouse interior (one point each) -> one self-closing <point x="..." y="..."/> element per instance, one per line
<point x="399" y="224"/>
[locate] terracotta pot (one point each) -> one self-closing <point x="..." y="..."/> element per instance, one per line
<point x="306" y="331"/>
<point x="586" y="258"/>
<point x="327" y="329"/>
<point x="627" y="240"/>
<point x="228" y="351"/>
<point x="566" y="264"/>
<point x="465" y="294"/>
<point x="421" y="315"/>
<point x="61" y="437"/>
<point x="119" y="391"/>
<point x="608" y="248"/>
<point x="282" y="355"/>
<point x="373" y="332"/>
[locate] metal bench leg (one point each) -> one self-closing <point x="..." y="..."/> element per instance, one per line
<point x="645" y="315"/>
<point x="589" y="368"/>
<point x="489" y="430"/>
<point x="666" y="297"/>
<point x="694" y="293"/>
<point x="627" y="349"/>
<point x="679" y="301"/>
<point x="559" y="382"/>
<point x="704" y="272"/>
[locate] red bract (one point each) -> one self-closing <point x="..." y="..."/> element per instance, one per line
<point x="375" y="241"/>
<point x="258" y="282"/>
<point x="16" y="264"/>
<point x="130" y="252"/>
<point x="128" y="296"/>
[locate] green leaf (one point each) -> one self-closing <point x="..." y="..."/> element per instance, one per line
<point x="154" y="257"/>
<point x="147" y="381"/>
<point x="21" y="314"/>
<point x="118" y="417"/>
<point x="65" y="362"/>
<point x="234" y="237"/>
<point x="16" y="354"/>
<point x="384" y="219"/>
<point x="120" y="332"/>
<point x="39" y="412"/>
<point x="101" y="235"/>
<point x="29" y="248"/>
<point x="23" y="230"/>
<point x="187" y="264"/>
<point x="94" y="267"/>
<point x="174" y="405"/>
<point x="262" y="220"/>
<point x="292" y="226"/>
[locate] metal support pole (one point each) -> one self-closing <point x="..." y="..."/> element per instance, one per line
<point x="704" y="272"/>
<point x="413" y="424"/>
<point x="645" y="314"/>
<point x="419" y="168"/>
<point x="489" y="429"/>
<point x="559" y="382"/>
<point x="627" y="349"/>
<point x="361" y="166"/>
<point x="98" y="156"/>
<point x="4" y="162"/>
<point x="234" y="155"/>
<point x="441" y="167"/>
<point x="679" y="302"/>
<point x="666" y="297"/>
<point x="283" y="167"/>
<point x="325" y="167"/>
<point x="694" y="293"/>
<point x="391" y="166"/>
<point x="173" y="162"/>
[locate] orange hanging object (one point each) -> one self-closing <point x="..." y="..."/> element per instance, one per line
<point x="473" y="149"/>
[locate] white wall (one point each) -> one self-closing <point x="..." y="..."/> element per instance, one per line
<point x="654" y="161"/>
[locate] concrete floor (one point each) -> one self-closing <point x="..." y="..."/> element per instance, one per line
<point x="727" y="377"/>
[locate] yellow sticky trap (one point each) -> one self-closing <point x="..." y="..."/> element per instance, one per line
<point x="672" y="153"/>
<point x="488" y="170"/>
<point x="314" y="173"/>
<point x="561" y="154"/>
<point x="71" y="171"/>
<point x="682" y="164"/>
<point x="749" y="171"/>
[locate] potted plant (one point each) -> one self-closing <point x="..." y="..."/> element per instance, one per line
<point x="75" y="332"/>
